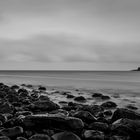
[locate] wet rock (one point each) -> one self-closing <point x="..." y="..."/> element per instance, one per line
<point x="6" y="107"/>
<point x="44" y="105"/>
<point x="22" y="90"/>
<point x="3" y="118"/>
<point x="42" y="88"/>
<point x="105" y="97"/>
<point x="93" y="109"/>
<point x="125" y="113"/>
<point x="119" y="138"/>
<point x="97" y="95"/>
<point x="40" y="137"/>
<point x="93" y="135"/>
<point x="130" y="106"/>
<point x="108" y="113"/>
<point x="65" y="136"/>
<point x="80" y="99"/>
<point x="109" y="104"/>
<point x="4" y="138"/>
<point x="43" y="98"/>
<point x="100" y="126"/>
<point x="25" y="113"/>
<point x="12" y="98"/>
<point x="70" y="96"/>
<point x="12" y="132"/>
<point x="126" y="127"/>
<point x="53" y="121"/>
<point x="21" y="138"/>
<point x="85" y="116"/>
<point x="2" y="94"/>
<point x="15" y="87"/>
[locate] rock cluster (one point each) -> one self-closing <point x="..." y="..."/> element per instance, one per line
<point x="28" y="115"/>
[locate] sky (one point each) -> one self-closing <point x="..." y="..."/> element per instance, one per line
<point x="69" y="34"/>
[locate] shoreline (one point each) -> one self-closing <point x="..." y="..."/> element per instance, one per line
<point x="91" y="111"/>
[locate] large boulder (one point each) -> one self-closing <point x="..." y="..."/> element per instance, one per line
<point x="6" y="107"/>
<point x="109" y="104"/>
<point x="12" y="132"/>
<point x="100" y="126"/>
<point x="85" y="116"/>
<point x="44" y="105"/>
<point x="93" y="135"/>
<point x="40" y="137"/>
<point x="126" y="127"/>
<point x="53" y="121"/>
<point x="65" y="136"/>
<point x="80" y="99"/>
<point x="125" y="113"/>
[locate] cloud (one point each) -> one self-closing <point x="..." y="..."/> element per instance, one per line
<point x="58" y="49"/>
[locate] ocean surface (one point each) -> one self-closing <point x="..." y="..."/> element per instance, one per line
<point x="78" y="79"/>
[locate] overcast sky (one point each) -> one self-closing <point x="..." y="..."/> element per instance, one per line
<point x="70" y="34"/>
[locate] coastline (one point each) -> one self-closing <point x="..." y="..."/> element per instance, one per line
<point x="77" y="111"/>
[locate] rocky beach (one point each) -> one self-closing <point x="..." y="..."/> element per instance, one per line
<point x="29" y="112"/>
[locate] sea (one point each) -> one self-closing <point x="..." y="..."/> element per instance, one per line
<point x="127" y="80"/>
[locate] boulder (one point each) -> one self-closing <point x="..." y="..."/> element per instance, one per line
<point x="44" y="105"/>
<point x="40" y="137"/>
<point x="42" y="88"/>
<point x="53" y="121"/>
<point x="109" y="104"/>
<point x="125" y="113"/>
<point x="85" y="116"/>
<point x="132" y="107"/>
<point x="4" y="138"/>
<point x="21" y="138"/>
<point x="65" y="136"/>
<point x="100" y="126"/>
<point x="126" y="127"/>
<point x="12" y="132"/>
<point x="80" y="99"/>
<point x="70" y="96"/>
<point x="6" y="107"/>
<point x="93" y="109"/>
<point x="97" y="95"/>
<point x="93" y="135"/>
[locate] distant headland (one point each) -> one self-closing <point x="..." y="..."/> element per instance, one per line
<point x="138" y="69"/>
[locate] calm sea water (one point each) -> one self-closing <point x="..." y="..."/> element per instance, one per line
<point x="88" y="79"/>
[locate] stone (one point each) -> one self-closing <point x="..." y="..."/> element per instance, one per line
<point x="12" y="132"/>
<point x="15" y="87"/>
<point x="6" y="107"/>
<point x="65" y="136"/>
<point x="100" y="126"/>
<point x="80" y="99"/>
<point x="130" y="106"/>
<point x="3" y="118"/>
<point x="53" y="121"/>
<point x="93" y="109"/>
<point x="4" y="138"/>
<point x="108" y="113"/>
<point x="125" y="113"/>
<point x="97" y="95"/>
<point x="42" y="88"/>
<point x="109" y="104"/>
<point x="93" y="135"/>
<point x="21" y="138"/>
<point x="85" y="116"/>
<point x="40" y="137"/>
<point x="126" y="127"/>
<point x="105" y="97"/>
<point x="70" y="96"/>
<point x="44" y="105"/>
<point x="43" y="98"/>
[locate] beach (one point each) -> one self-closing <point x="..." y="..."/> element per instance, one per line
<point x="69" y="105"/>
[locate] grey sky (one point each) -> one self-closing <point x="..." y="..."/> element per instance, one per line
<point x="69" y="34"/>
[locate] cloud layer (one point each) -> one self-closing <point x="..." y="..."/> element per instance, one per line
<point x="96" y="34"/>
